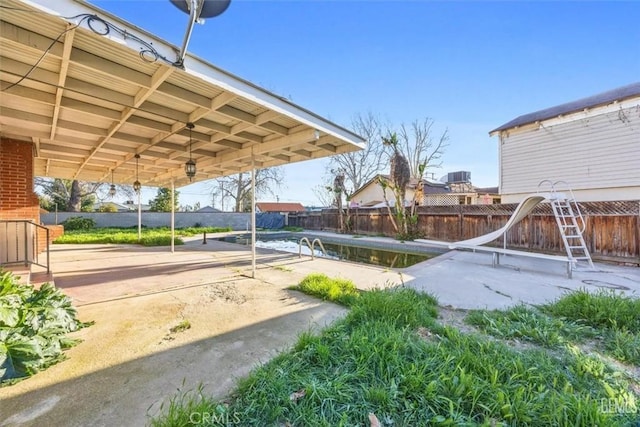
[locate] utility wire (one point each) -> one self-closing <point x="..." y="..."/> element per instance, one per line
<point x="147" y="54"/>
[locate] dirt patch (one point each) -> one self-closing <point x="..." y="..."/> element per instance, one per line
<point x="453" y="317"/>
<point x="225" y="292"/>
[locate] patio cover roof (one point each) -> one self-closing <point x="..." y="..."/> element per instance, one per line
<point x="102" y="90"/>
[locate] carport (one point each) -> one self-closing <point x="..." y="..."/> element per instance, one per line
<point x="88" y="96"/>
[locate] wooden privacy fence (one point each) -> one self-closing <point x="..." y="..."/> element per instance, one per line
<point x="612" y="232"/>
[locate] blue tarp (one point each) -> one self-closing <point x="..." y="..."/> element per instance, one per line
<point x="269" y="220"/>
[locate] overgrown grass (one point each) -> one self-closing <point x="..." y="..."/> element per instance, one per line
<point x="614" y="314"/>
<point x="528" y="324"/>
<point x="160" y="236"/>
<point x="292" y="228"/>
<point x="341" y="291"/>
<point x="390" y="358"/>
<point x="611" y="318"/>
<point x="604" y="309"/>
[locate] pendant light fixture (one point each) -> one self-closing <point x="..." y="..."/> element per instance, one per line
<point x="190" y="165"/>
<point x="112" y="189"/>
<point x="136" y="184"/>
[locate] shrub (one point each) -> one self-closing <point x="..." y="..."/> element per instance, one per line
<point x="108" y="208"/>
<point x="78" y="223"/>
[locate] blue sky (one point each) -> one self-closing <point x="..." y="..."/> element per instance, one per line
<point x="469" y="65"/>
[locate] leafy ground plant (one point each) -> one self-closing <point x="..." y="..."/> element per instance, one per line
<point x="33" y="327"/>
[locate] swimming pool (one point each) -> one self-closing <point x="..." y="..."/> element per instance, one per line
<point x="340" y="251"/>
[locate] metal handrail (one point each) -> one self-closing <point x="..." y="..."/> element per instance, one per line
<point x="311" y="246"/>
<point x="324" y="251"/>
<point x="571" y="200"/>
<point x="31" y="253"/>
<point x="304" y="239"/>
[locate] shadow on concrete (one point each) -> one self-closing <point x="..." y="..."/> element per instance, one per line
<point x="106" y="275"/>
<point x="126" y="394"/>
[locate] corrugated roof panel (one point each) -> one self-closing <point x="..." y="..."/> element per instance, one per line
<point x="112" y="51"/>
<point x="285" y="121"/>
<point x="194" y="84"/>
<point x="249" y="107"/>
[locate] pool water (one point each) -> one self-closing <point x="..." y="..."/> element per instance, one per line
<point x="373" y="256"/>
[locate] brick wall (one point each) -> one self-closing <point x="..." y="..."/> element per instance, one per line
<point x="17" y="199"/>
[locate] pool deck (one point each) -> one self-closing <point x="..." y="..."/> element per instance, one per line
<point x="129" y="363"/>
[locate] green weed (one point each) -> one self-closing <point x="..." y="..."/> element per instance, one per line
<point x="605" y="309"/>
<point x="341" y="291"/>
<point x="529" y="324"/>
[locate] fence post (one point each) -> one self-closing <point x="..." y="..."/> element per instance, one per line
<point x="460" y="223"/>
<point x="638" y="233"/>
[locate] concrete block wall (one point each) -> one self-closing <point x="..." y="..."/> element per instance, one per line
<point x="237" y="221"/>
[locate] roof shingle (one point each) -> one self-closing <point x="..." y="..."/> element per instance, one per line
<point x="571" y="107"/>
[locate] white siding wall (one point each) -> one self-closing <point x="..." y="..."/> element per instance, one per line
<point x="597" y="153"/>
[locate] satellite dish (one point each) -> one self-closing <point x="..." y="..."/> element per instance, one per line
<point x="209" y="8"/>
<point x="197" y="9"/>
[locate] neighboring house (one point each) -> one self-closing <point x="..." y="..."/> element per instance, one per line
<point x="593" y="144"/>
<point x="279" y="207"/>
<point x="371" y="195"/>
<point x="133" y="206"/>
<point x="208" y="209"/>
<point x="106" y="206"/>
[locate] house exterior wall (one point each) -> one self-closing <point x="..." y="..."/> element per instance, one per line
<point x="373" y="192"/>
<point x="596" y="152"/>
<point x="17" y="199"/>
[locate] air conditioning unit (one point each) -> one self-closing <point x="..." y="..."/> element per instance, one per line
<point x="458" y="177"/>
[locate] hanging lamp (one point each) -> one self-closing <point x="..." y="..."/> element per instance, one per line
<point x="136" y="184"/>
<point x="190" y="165"/>
<point x="112" y="189"/>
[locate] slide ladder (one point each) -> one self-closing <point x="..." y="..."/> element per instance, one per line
<point x="571" y="224"/>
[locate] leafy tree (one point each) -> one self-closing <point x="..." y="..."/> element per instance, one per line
<point x="67" y="195"/>
<point x="162" y="201"/>
<point x="238" y="187"/>
<point x="190" y="208"/>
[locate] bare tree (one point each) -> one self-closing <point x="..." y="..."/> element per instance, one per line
<point x="410" y="155"/>
<point x="359" y="167"/>
<point x="238" y="187"/>
<point x="324" y="193"/>
<point x="420" y="147"/>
